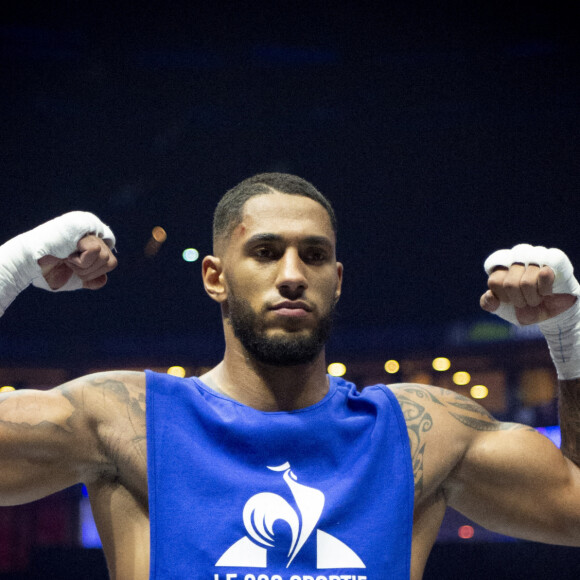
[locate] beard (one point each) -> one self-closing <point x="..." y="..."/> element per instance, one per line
<point x="288" y="350"/>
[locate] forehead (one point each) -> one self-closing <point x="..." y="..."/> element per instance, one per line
<point x="280" y="213"/>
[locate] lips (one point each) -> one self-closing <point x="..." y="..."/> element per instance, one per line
<point x="292" y="305"/>
<point x="291" y="308"/>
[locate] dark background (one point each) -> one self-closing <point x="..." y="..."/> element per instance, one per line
<point x="441" y="131"/>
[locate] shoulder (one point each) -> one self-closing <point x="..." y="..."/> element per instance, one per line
<point x="417" y="400"/>
<point x="112" y="405"/>
<point x="442" y="426"/>
<point x="119" y="383"/>
<point x="451" y="407"/>
<point x="107" y="398"/>
<point x="446" y="412"/>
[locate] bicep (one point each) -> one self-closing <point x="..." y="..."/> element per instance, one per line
<point x="516" y="482"/>
<point x="45" y="443"/>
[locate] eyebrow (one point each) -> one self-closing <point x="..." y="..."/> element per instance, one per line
<point x="309" y="240"/>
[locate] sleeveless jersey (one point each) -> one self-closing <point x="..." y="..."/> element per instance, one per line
<point x="320" y="493"/>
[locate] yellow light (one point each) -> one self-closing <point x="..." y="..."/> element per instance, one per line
<point x="392" y="367"/>
<point x="441" y="364"/>
<point x="479" y="391"/>
<point x="159" y="234"/>
<point x="461" y="378"/>
<point x="336" y="369"/>
<point x="176" y="371"/>
<point x="6" y="389"/>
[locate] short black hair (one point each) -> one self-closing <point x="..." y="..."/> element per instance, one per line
<point x="229" y="211"/>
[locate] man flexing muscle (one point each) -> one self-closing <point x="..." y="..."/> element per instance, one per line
<point x="266" y="467"/>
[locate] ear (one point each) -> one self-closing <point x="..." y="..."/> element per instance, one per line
<point x="212" y="274"/>
<point x="339" y="271"/>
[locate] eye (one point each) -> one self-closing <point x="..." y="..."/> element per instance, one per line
<point x="315" y="256"/>
<point x="264" y="253"/>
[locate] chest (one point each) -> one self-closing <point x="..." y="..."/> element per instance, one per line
<point x="288" y="495"/>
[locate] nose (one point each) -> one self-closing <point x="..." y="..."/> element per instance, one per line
<point x="291" y="281"/>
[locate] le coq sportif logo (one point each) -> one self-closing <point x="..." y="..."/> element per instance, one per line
<point x="262" y="510"/>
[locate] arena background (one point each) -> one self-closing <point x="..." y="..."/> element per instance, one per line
<point x="440" y="131"/>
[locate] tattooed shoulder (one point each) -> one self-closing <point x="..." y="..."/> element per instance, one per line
<point x="421" y="403"/>
<point x="118" y="401"/>
<point x="460" y="408"/>
<point x="123" y="390"/>
<point x="413" y="399"/>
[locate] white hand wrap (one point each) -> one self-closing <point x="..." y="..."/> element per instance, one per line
<point x="58" y="237"/>
<point x="563" y="331"/>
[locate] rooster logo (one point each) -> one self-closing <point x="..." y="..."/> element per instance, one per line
<point x="264" y="509"/>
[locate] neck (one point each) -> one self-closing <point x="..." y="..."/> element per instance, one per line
<point x="269" y="388"/>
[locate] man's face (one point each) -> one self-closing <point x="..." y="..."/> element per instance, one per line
<point x="282" y="279"/>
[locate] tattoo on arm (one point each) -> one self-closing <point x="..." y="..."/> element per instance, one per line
<point x="569" y="408"/>
<point x="487" y="424"/>
<point x="467" y="405"/>
<point x="420" y="421"/>
<point x="133" y="402"/>
<point x="423" y="393"/>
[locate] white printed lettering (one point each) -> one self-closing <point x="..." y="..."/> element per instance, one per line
<point x="260" y="577"/>
<point x="331" y="577"/>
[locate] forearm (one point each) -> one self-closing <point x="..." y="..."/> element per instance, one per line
<point x="563" y="336"/>
<point x="569" y="409"/>
<point x="17" y="269"/>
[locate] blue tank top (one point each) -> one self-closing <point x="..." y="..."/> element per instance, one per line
<point x="321" y="493"/>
